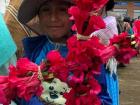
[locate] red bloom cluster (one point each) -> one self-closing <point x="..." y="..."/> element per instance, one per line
<point x="76" y="99"/>
<point x="84" y="61"/>
<point x="78" y="69"/>
<point x="137" y="33"/>
<point x="6" y="93"/>
<point x="108" y="52"/>
<point x="58" y="65"/>
<point x="84" y="57"/>
<point x="85" y="21"/>
<point x="137" y="26"/>
<point x="22" y="82"/>
<point x="125" y="51"/>
<point x="85" y="53"/>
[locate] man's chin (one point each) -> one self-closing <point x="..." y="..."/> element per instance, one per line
<point x="55" y="36"/>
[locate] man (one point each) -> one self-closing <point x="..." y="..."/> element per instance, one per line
<point x="56" y="27"/>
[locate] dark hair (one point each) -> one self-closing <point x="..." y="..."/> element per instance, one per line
<point x="138" y="17"/>
<point x="127" y="19"/>
<point x="110" y="5"/>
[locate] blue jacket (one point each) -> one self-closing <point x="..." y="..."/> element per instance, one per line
<point x="33" y="47"/>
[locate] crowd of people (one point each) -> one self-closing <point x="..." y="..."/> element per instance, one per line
<point x="54" y="33"/>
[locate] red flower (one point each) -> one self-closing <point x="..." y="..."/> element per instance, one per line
<point x="95" y="23"/>
<point x="85" y="53"/>
<point x="4" y="99"/>
<point x="24" y="79"/>
<point x="117" y="39"/>
<point x="3" y="79"/>
<point x="22" y="85"/>
<point x="84" y="23"/>
<point x="125" y="54"/>
<point x="70" y="97"/>
<point x="85" y="99"/>
<point x="125" y="51"/>
<point x="79" y="17"/>
<point x="95" y="87"/>
<point x="58" y="65"/>
<point x="54" y="57"/>
<point x="137" y="26"/>
<point x="109" y="52"/>
<point x="27" y="86"/>
<point x="60" y="71"/>
<point x="23" y="67"/>
<point x="6" y="93"/>
<point x="76" y="78"/>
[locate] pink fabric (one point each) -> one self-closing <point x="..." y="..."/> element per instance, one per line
<point x="108" y="32"/>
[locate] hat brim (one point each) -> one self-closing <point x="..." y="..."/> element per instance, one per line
<point x="29" y="9"/>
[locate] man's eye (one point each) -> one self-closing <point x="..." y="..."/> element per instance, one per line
<point x="63" y="9"/>
<point x="45" y="9"/>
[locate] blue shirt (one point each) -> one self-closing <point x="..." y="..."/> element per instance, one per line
<point x="36" y="49"/>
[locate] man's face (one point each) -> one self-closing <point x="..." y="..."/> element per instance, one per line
<point x="54" y="19"/>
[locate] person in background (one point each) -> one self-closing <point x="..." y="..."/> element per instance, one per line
<point x="138" y="17"/>
<point x="127" y="25"/>
<point x="7" y="48"/>
<point x="105" y="35"/>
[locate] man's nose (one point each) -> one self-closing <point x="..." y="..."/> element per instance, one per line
<point x="54" y="15"/>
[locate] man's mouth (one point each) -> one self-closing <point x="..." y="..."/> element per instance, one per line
<point x="55" y="27"/>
